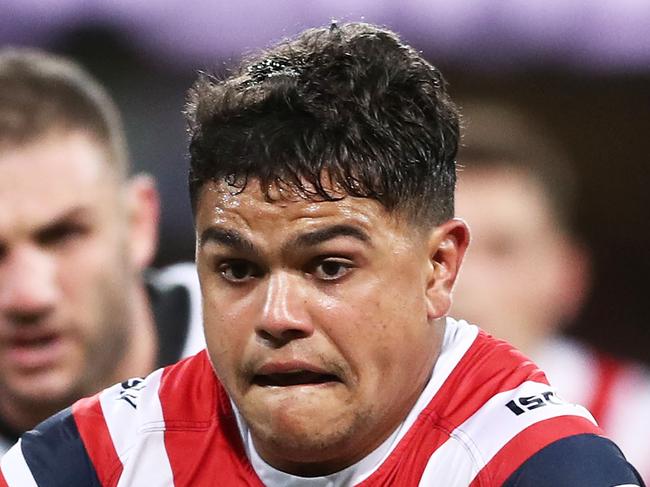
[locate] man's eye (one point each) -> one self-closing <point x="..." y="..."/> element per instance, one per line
<point x="332" y="269"/>
<point x="238" y="270"/>
<point x="64" y="232"/>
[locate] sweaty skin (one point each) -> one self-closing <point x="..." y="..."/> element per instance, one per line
<point x="323" y="319"/>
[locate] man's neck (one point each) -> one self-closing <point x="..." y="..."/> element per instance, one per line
<point x="141" y="353"/>
<point x="17" y="416"/>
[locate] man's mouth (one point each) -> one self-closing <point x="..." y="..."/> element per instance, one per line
<point x="295" y="378"/>
<point x="38" y="341"/>
<point x="36" y="350"/>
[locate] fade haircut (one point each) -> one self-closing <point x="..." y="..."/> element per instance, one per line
<point x="501" y="136"/>
<point x="351" y="105"/>
<point x="41" y="92"/>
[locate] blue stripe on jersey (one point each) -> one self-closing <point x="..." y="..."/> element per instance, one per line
<point x="584" y="460"/>
<point x="56" y="455"/>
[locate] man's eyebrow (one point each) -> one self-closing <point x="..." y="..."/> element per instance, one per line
<point x="328" y="233"/>
<point x="73" y="215"/>
<point x="227" y="237"/>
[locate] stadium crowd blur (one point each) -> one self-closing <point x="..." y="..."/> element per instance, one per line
<point x="527" y="273"/>
<point x="582" y="69"/>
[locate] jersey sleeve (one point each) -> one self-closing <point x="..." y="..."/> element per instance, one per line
<point x="51" y="455"/>
<point x="584" y="460"/>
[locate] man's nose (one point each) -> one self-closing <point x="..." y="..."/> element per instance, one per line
<point x="28" y="283"/>
<point x="285" y="315"/>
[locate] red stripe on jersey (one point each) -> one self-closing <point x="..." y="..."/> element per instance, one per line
<point x="528" y="442"/>
<point x="89" y="418"/>
<point x="489" y="366"/>
<point x="3" y="482"/>
<point x="202" y="440"/>
<point x="608" y="372"/>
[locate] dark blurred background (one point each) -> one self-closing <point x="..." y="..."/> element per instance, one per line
<point x="582" y="66"/>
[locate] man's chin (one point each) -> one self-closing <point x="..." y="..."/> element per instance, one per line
<point x="299" y="450"/>
<point x="46" y="391"/>
<point x="289" y="404"/>
<point x="300" y="420"/>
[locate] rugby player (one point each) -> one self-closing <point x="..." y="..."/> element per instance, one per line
<point x="322" y="180"/>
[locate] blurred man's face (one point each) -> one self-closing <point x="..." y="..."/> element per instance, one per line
<point x="64" y="270"/>
<point x="320" y="320"/>
<point x="521" y="277"/>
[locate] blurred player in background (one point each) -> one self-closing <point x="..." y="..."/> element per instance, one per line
<point x="76" y="235"/>
<point x="527" y="274"/>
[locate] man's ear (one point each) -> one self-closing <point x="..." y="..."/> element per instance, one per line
<point x="144" y="218"/>
<point x="447" y="245"/>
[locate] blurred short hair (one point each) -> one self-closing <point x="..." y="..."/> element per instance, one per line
<point x="41" y="92"/>
<point x="498" y="135"/>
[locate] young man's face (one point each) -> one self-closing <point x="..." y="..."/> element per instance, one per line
<point x="320" y="319"/>
<point x="523" y="276"/>
<point x="65" y="274"/>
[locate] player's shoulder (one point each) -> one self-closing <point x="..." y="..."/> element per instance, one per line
<point x="515" y="425"/>
<point x="175" y="296"/>
<point x="584" y="460"/>
<point x="90" y="441"/>
<point x="474" y="366"/>
<point x="51" y="454"/>
<point x="182" y="274"/>
<point x="497" y="407"/>
<point x="82" y="444"/>
<point x="508" y="423"/>
<point x="176" y="289"/>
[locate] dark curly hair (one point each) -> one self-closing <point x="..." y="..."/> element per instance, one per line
<point x="350" y="105"/>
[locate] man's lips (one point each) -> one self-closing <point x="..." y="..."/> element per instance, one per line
<point x="286" y="374"/>
<point x="34" y="349"/>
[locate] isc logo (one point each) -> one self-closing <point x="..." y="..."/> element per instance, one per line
<point x="528" y="403"/>
<point x="130" y="391"/>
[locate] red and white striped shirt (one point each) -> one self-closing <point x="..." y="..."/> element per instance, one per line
<point x="485" y="414"/>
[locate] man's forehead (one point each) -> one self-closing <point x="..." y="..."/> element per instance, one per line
<point x="218" y="199"/>
<point x="517" y="185"/>
<point x="246" y="220"/>
<point x="505" y="204"/>
<point x="58" y="159"/>
<point x="55" y="149"/>
<point x="48" y="178"/>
